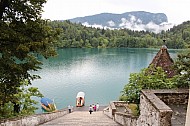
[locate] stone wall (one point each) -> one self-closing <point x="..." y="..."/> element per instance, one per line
<point x="110" y="110"/>
<point x="125" y="119"/>
<point x="34" y="119"/>
<point x="118" y="111"/>
<point x="153" y="106"/>
<point x="187" y="122"/>
<point x="178" y="96"/>
<point x="153" y="111"/>
<point x="107" y="112"/>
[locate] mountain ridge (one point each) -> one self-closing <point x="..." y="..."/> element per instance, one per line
<point x="134" y="20"/>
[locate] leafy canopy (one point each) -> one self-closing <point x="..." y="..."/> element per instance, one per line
<point x="79" y="36"/>
<point x="182" y="65"/>
<point x="158" y="79"/>
<point x="23" y="36"/>
<point x="144" y="80"/>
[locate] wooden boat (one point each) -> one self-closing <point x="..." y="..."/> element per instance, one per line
<point x="47" y="105"/>
<point x="80" y="99"/>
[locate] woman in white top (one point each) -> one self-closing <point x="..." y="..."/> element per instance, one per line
<point x="97" y="106"/>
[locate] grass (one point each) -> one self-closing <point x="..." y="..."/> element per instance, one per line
<point x="134" y="108"/>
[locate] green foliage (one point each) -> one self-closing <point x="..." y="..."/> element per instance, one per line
<point x="134" y="108"/>
<point x="79" y="36"/>
<point x="143" y="80"/>
<point x="158" y="79"/>
<point x="182" y="65"/>
<point x="7" y="110"/>
<point x="24" y="100"/>
<point x="23" y="36"/>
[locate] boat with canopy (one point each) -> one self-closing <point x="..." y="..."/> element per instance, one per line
<point x="80" y="99"/>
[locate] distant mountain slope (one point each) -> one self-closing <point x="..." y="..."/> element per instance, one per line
<point x="136" y="20"/>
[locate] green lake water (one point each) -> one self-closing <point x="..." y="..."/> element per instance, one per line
<point x="100" y="73"/>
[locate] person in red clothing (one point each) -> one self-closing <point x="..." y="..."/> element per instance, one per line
<point x="94" y="108"/>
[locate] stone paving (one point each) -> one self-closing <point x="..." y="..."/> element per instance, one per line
<point x="179" y="114"/>
<point x="83" y="118"/>
<point x="85" y="108"/>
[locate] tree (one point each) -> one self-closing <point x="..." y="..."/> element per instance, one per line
<point x="182" y="65"/>
<point x="144" y="80"/>
<point x="95" y="42"/>
<point x="23" y="35"/>
<point x="178" y="37"/>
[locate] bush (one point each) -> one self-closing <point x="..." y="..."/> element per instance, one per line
<point x="144" y="80"/>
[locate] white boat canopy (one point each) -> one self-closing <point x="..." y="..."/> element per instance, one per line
<point x="80" y="94"/>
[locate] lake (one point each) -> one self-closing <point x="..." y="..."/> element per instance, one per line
<point x="100" y="73"/>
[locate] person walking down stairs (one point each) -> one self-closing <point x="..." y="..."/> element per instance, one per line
<point x="90" y="109"/>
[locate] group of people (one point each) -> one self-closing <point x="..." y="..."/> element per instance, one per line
<point x="93" y="108"/>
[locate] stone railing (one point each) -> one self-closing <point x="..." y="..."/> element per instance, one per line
<point x="125" y="119"/>
<point x="118" y="111"/>
<point x="153" y="111"/>
<point x="110" y="110"/>
<point x="34" y="119"/>
<point x="153" y="108"/>
<point x="173" y="96"/>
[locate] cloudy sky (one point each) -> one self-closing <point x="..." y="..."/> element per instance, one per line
<point x="177" y="11"/>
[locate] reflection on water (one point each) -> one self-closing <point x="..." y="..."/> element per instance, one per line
<point x="100" y="73"/>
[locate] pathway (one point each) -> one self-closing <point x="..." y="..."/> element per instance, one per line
<point x="82" y="118"/>
<point x="179" y="115"/>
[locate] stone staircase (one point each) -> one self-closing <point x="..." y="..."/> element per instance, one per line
<point x="82" y="118"/>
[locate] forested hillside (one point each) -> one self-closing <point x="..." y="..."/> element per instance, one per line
<point x="78" y="36"/>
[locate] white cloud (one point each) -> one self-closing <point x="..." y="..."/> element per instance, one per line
<point x="132" y="18"/>
<point x="153" y="27"/>
<point x="136" y="24"/>
<point x="139" y="21"/>
<point x="111" y="23"/>
<point x="94" y="25"/>
<point x="97" y="26"/>
<point x="125" y="23"/>
<point x="86" y="24"/>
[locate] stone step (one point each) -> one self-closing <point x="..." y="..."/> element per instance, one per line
<point x="82" y="118"/>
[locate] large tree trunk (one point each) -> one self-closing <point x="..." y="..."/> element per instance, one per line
<point x="16" y="107"/>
